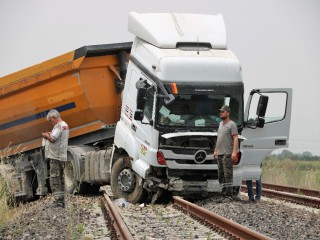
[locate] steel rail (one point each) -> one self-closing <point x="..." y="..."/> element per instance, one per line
<point x="221" y="222"/>
<point x="304" y="191"/>
<point x="313" y="201"/>
<point x="118" y="224"/>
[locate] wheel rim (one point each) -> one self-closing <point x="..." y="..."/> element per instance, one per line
<point x="126" y="180"/>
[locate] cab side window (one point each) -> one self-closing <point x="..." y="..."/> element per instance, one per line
<point x="276" y="109"/>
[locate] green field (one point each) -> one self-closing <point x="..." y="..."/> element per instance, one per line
<point x="290" y="172"/>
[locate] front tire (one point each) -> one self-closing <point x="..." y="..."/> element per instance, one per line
<point x="125" y="183"/>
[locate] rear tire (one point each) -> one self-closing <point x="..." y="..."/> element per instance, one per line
<point x="125" y="183"/>
<point x="71" y="183"/>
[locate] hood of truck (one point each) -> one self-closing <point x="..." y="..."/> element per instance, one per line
<point x="183" y="134"/>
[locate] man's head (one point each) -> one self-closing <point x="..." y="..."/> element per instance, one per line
<point x="224" y="112"/>
<point x="53" y="116"/>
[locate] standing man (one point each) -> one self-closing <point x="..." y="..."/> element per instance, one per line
<point x="56" y="153"/>
<point x="226" y="151"/>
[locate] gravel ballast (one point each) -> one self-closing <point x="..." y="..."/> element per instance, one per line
<point x="82" y="218"/>
<point x="273" y="218"/>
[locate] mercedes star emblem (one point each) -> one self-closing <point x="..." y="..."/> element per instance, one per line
<point x="200" y="156"/>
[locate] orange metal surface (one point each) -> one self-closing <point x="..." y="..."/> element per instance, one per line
<point x="84" y="87"/>
<point x="36" y="69"/>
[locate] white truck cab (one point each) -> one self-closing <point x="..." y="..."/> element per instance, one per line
<point x="179" y="74"/>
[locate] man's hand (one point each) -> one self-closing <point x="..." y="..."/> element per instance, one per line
<point x="215" y="154"/>
<point x="48" y="137"/>
<point x="45" y="135"/>
<point x="234" y="157"/>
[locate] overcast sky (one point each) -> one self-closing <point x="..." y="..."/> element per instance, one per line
<point x="277" y="42"/>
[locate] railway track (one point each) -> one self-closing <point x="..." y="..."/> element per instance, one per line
<point x="85" y="218"/>
<point x="303" y="191"/>
<point x="217" y="221"/>
<point x="180" y="220"/>
<point x="297" y="195"/>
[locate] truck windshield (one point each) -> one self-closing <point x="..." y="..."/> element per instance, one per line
<point x="198" y="110"/>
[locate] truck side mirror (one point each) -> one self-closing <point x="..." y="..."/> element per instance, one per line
<point x="255" y="123"/>
<point x="141" y="98"/>
<point x="138" y="115"/>
<point x="262" y="106"/>
<point x="260" y="122"/>
<point x="142" y="87"/>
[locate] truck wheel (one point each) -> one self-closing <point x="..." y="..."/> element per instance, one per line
<point x="125" y="183"/>
<point x="71" y="183"/>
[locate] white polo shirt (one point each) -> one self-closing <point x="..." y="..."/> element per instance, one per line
<point x="58" y="149"/>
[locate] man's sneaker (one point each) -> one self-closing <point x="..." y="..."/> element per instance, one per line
<point x="257" y="199"/>
<point x="251" y="199"/>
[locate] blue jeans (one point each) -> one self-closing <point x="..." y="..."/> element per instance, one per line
<point x="258" y="189"/>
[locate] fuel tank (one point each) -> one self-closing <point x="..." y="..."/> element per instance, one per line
<point x="82" y="85"/>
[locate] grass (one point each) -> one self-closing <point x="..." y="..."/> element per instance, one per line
<point x="302" y="174"/>
<point x="7" y="213"/>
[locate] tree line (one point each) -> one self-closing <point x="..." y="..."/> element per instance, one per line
<point x="306" y="155"/>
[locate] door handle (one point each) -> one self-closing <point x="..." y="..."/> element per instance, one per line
<point x="134" y="127"/>
<point x="280" y="142"/>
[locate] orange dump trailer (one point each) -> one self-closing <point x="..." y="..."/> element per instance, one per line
<point x="85" y="86"/>
<point x="81" y="84"/>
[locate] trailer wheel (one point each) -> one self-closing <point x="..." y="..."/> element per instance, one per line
<point x="71" y="183"/>
<point x="125" y="183"/>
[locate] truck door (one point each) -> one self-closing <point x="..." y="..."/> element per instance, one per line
<point x="265" y="133"/>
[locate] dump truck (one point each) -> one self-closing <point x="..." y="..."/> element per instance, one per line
<point x="143" y="115"/>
